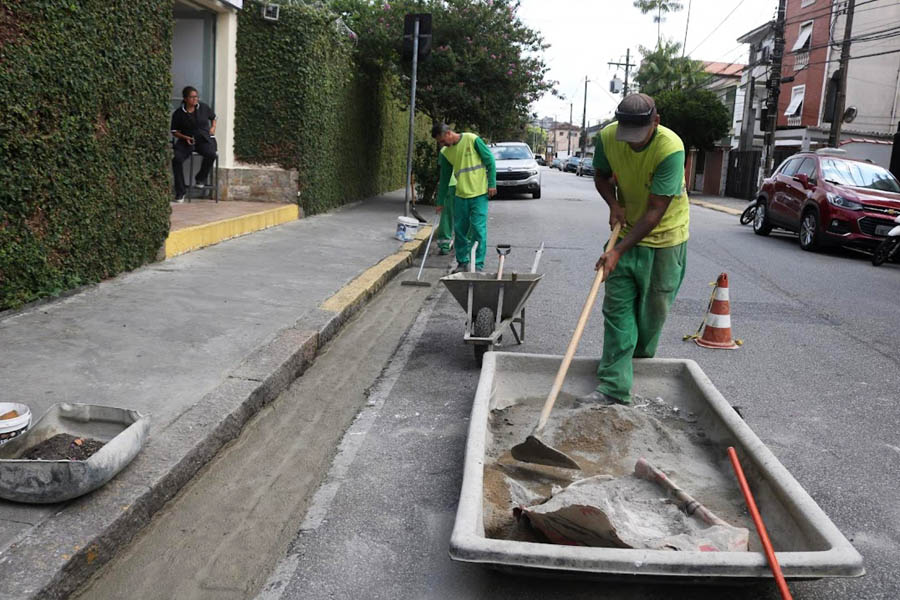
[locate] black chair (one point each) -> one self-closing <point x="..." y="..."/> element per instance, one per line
<point x="213" y="174"/>
<point x="191" y="184"/>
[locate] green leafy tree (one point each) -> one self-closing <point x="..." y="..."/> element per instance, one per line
<point x="662" y="68"/>
<point x="697" y="116"/>
<point x="485" y="69"/>
<point x="661" y="7"/>
<point x="536" y="138"/>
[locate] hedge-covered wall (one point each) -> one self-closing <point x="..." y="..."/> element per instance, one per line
<point x="84" y="175"/>
<point x="302" y="102"/>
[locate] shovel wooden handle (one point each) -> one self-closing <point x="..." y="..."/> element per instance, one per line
<point x="576" y="337"/>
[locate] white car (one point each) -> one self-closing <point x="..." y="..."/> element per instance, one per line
<point x="517" y="169"/>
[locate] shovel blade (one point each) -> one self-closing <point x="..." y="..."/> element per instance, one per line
<point x="533" y="450"/>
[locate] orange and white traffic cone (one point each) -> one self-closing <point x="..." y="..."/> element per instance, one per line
<point x="717" y="324"/>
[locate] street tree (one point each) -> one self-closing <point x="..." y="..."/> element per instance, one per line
<point x="697" y="116"/>
<point x="485" y="69"/>
<point x="662" y="68"/>
<point x="661" y="7"/>
<point x="536" y="138"/>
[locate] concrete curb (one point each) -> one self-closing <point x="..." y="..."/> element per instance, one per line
<point x="192" y="238"/>
<point x="63" y="552"/>
<point x="718" y="207"/>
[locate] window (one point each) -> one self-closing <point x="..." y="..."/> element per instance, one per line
<point x="803" y="38"/>
<point x="859" y="174"/>
<point x="795" y="107"/>
<point x="805" y="3"/>
<point x="511" y="152"/>
<point x="790" y="166"/>
<point x="808" y="168"/>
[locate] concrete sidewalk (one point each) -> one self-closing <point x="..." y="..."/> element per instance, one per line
<point x="199" y="343"/>
<point x="725" y="204"/>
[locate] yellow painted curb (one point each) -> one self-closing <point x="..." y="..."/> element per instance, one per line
<point x="718" y="207"/>
<point x="199" y="236"/>
<point x="369" y="281"/>
<point x="421" y="236"/>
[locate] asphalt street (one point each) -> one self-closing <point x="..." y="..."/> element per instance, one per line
<point x="817" y="378"/>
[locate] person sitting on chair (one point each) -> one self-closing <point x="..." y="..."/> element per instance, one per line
<point x="194" y="128"/>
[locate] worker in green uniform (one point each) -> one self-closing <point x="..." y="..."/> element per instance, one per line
<point x="444" y="206"/>
<point x="639" y="172"/>
<point x="467" y="157"/>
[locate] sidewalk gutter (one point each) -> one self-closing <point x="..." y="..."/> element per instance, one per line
<point x="718" y="207"/>
<point x="64" y="551"/>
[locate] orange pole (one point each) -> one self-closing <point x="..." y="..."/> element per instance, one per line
<point x="760" y="526"/>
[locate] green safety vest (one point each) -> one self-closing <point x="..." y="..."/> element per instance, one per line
<point x="634" y="175"/>
<point x="470" y="172"/>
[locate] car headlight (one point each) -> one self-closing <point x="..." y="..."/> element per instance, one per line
<point x="533" y="172"/>
<point x="843" y="202"/>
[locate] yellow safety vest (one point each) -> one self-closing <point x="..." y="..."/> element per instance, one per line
<point x="634" y="176"/>
<point x="470" y="172"/>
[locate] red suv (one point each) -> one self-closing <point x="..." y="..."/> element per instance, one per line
<point x="829" y="199"/>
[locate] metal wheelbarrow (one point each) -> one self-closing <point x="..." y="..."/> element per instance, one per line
<point x="493" y="301"/>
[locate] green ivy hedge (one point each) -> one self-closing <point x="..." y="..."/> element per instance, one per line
<point x="303" y="102"/>
<point x="84" y="183"/>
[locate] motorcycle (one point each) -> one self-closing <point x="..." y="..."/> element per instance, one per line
<point x="888" y="248"/>
<point x="749" y="213"/>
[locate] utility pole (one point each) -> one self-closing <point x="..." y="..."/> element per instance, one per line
<point x="773" y="86"/>
<point x="569" y="130"/>
<point x="837" y="119"/>
<point x="584" y="119"/>
<point x="627" y="64"/>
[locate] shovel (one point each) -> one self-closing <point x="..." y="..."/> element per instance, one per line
<point x="533" y="450"/>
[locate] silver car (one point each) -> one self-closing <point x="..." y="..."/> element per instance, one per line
<point x="517" y="170"/>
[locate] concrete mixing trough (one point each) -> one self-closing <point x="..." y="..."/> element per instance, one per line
<point x="808" y="544"/>
<point x="123" y="432"/>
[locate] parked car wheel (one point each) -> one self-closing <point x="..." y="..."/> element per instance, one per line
<point x="761" y="223"/>
<point x="536" y="195"/>
<point x="809" y="231"/>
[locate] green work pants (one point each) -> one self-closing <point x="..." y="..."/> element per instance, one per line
<point x="470" y="225"/>
<point x="445" y="227"/>
<point x="636" y="302"/>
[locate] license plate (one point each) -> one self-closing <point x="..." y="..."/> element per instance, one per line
<point x="883" y="229"/>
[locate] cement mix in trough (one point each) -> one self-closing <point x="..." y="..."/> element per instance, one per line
<point x="604" y="440"/>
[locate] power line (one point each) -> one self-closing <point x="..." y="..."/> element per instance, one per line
<point x="825" y="10"/>
<point x="719" y="25"/>
<point x="874" y="36"/>
<point x="822" y="62"/>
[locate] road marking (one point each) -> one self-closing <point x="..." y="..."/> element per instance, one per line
<point x="350" y="444"/>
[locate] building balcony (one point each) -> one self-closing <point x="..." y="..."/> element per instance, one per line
<point x="794" y="121"/>
<point x="801" y="60"/>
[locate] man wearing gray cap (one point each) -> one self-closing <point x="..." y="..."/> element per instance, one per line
<point x="639" y="172"/>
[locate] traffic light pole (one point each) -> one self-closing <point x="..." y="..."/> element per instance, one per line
<point x="412" y="117"/>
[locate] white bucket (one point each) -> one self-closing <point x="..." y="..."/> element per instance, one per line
<point x="10" y="428"/>
<point x="407" y="227"/>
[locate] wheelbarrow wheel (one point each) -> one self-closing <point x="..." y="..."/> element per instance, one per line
<point x="484" y="326"/>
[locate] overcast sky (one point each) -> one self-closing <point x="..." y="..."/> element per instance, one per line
<point x="586" y="34"/>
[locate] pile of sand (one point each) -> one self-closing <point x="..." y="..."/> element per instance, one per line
<point x="604" y="440"/>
